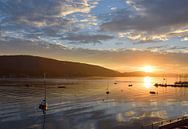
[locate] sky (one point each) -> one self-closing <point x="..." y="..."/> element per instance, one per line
<point x="123" y="35"/>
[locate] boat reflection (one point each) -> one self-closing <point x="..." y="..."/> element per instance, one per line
<point x="44" y="121"/>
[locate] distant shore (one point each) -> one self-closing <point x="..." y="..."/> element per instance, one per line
<point x="25" y="66"/>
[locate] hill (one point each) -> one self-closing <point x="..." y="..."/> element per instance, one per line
<point x="33" y="66"/>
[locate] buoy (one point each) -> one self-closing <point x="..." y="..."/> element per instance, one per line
<point x="43" y="105"/>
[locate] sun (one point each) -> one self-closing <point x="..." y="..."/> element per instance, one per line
<point x="148" y="69"/>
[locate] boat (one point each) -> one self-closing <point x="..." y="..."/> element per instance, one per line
<point x="176" y="84"/>
<point x="182" y="83"/>
<point x="107" y="92"/>
<point x="43" y="105"/>
<point x="153" y="92"/>
<point x="61" y="87"/>
<point x="161" y="85"/>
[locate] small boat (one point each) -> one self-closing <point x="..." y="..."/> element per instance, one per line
<point x="153" y="92"/>
<point x="176" y="84"/>
<point x="181" y="83"/>
<point x="107" y="92"/>
<point x="61" y="87"/>
<point x="27" y="85"/>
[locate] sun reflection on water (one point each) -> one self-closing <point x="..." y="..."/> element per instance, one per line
<point x="147" y="82"/>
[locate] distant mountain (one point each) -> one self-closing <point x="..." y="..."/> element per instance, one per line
<point x="33" y="66"/>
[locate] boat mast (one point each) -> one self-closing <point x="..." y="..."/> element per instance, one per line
<point x="44" y="87"/>
<point x="43" y="105"/>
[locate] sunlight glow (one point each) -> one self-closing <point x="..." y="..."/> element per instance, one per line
<point x="147" y="82"/>
<point x="148" y="69"/>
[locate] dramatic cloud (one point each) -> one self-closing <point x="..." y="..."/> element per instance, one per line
<point x="46" y="17"/>
<point x="150" y="19"/>
<point x="88" y="38"/>
<point x="135" y="20"/>
<point x="34" y="10"/>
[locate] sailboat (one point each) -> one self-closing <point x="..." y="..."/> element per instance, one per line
<point x="43" y="105"/>
<point x="130" y="85"/>
<point x="107" y="92"/>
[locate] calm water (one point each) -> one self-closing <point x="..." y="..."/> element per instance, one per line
<point x="84" y="104"/>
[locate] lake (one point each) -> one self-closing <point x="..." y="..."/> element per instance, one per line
<point x="83" y="103"/>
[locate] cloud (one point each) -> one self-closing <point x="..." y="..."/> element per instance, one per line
<point x="141" y="37"/>
<point x="88" y="38"/>
<point x="42" y="13"/>
<point x="44" y="8"/>
<point x="151" y="19"/>
<point x="45" y="20"/>
<point x="14" y="45"/>
<point x="120" y="24"/>
<point x="169" y="49"/>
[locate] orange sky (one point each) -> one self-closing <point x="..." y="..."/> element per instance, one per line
<point x="122" y="60"/>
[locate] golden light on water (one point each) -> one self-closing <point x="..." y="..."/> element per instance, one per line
<point x="147" y="82"/>
<point x="148" y="69"/>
